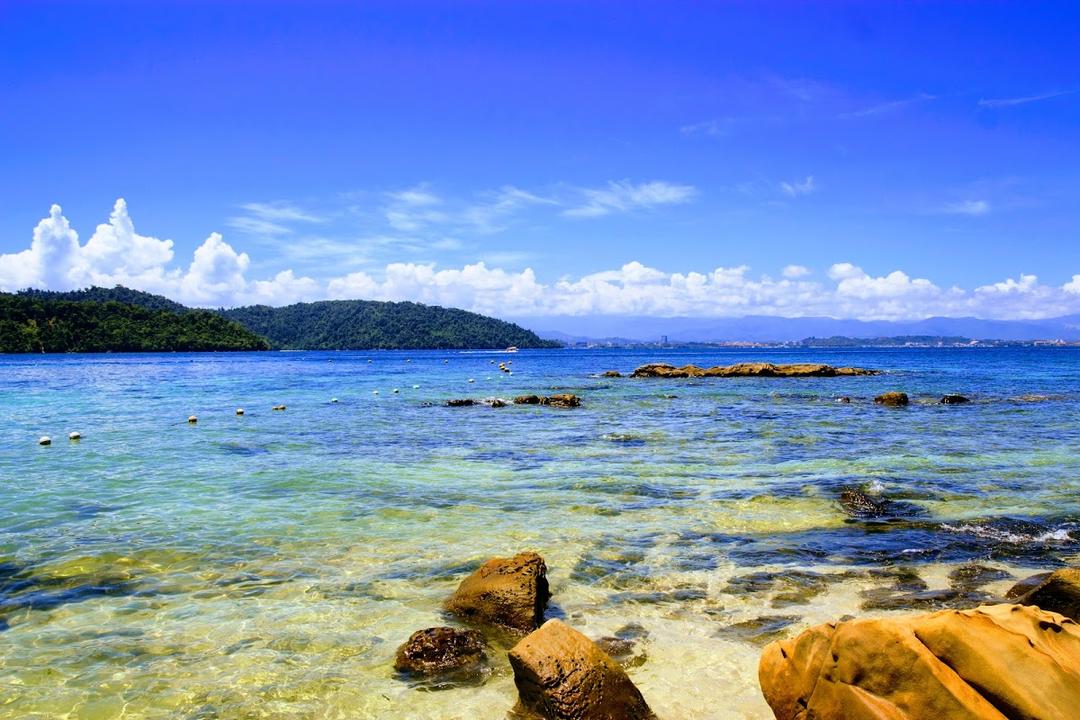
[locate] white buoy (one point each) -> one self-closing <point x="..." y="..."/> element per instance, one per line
<point x="75" y="435"/>
<point x="333" y="400"/>
<point x="415" y="387"/>
<point x="396" y="391"/>
<point x="239" y="411"/>
<point x="374" y="392"/>
<point x="193" y="419"/>
<point x="472" y="380"/>
<point x="44" y="440"/>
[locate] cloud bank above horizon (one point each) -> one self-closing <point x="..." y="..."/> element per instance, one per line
<point x="218" y="275"/>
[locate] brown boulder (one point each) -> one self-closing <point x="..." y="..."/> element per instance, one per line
<point x="562" y="675"/>
<point x="507" y="592"/>
<point x="442" y="651"/>
<point x="564" y="400"/>
<point x="1000" y="661"/>
<point x="612" y="374"/>
<point x="528" y="400"/>
<point x="1060" y="593"/>
<point x="892" y="399"/>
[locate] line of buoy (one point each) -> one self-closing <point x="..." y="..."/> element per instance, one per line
<point x="74" y="435"/>
<point x="44" y="440"/>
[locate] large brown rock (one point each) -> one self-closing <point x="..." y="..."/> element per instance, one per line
<point x="507" y="592"/>
<point x="562" y="675"/>
<point x="442" y="651"/>
<point x="758" y="369"/>
<point x="1060" y="593"/>
<point x="564" y="400"/>
<point x="993" y="662"/>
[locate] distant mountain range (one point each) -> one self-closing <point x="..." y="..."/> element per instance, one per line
<point x="762" y="328"/>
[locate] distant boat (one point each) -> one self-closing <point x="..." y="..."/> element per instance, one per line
<point x="512" y="348"/>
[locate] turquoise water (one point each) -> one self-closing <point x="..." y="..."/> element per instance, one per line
<point x="268" y="565"/>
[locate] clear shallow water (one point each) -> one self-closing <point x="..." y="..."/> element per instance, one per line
<point x="269" y="565"/>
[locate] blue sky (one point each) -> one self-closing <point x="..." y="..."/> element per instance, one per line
<point x="897" y="159"/>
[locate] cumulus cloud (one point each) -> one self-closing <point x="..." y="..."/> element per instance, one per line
<point x="624" y="195"/>
<point x="795" y="271"/>
<point x="218" y="274"/>
<point x="795" y="189"/>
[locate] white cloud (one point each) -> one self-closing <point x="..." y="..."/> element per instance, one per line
<point x="1023" y="100"/>
<point x="795" y="189"/>
<point x="973" y="208"/>
<point x="796" y="271"/>
<point x="218" y="274"/>
<point x="624" y="195"/>
<point x="889" y="106"/>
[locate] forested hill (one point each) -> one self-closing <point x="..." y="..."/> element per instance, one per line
<point x="368" y="324"/>
<point x="34" y="323"/>
<point x="118" y="294"/>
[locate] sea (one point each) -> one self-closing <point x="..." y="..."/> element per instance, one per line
<point x="268" y="565"/>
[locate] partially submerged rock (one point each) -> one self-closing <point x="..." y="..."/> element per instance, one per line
<point x="506" y="592"/>
<point x="626" y="645"/>
<point x="611" y="374"/>
<point x="1059" y="592"/>
<point x="562" y="675"/>
<point x="749" y="370"/>
<point x="954" y="399"/>
<point x="460" y="402"/>
<point x="445" y="653"/>
<point x="892" y="399"/>
<point x="563" y="400"/>
<point x="1001" y="661"/>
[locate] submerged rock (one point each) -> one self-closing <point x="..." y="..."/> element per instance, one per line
<point x="892" y="399"/>
<point x="563" y="400"/>
<point x="759" y="630"/>
<point x="528" y="400"/>
<point x="991" y="662"/>
<point x="1059" y="592"/>
<point x="611" y="374"/>
<point x="861" y="505"/>
<point x="758" y="369"/>
<point x="561" y="675"/>
<point x="626" y="645"/>
<point x="451" y="655"/>
<point x="954" y="400"/>
<point x="460" y="402"/>
<point x="506" y="592"/>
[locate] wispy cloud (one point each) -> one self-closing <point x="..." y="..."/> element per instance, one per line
<point x="890" y="106"/>
<point x="967" y="207"/>
<point x="413" y="209"/>
<point x="1024" y="100"/>
<point x="796" y="271"/>
<point x="795" y="189"/>
<point x="489" y="215"/>
<point x="623" y="196"/>
<point x="270" y="218"/>
<point x="717" y="127"/>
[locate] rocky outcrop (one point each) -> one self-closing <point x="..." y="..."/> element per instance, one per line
<point x="443" y="652"/>
<point x="461" y="402"/>
<point x="1000" y="661"/>
<point x="1059" y="592"/>
<point x="892" y="399"/>
<point x="562" y="400"/>
<point x="506" y="592"/>
<point x="954" y="399"/>
<point x="748" y="370"/>
<point x="562" y="675"/>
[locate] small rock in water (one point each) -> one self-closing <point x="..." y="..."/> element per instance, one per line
<point x="446" y="654"/>
<point x="278" y="407"/>
<point x="892" y="399"/>
<point x="75" y="435"/>
<point x="843" y="399"/>
<point x="954" y="400"/>
<point x="460" y="402"/>
<point x="611" y="374"/>
<point x="44" y="440"/>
